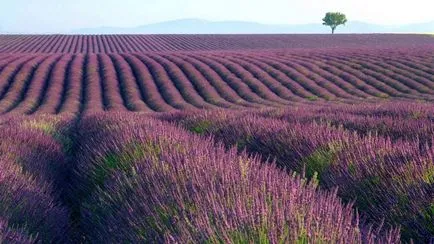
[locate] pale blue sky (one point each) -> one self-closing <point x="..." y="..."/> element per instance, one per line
<point x="65" y="15"/>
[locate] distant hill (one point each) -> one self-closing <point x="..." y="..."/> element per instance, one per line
<point x="198" y="26"/>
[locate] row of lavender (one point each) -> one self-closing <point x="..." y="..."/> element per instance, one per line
<point x="187" y="81"/>
<point x="31" y="165"/>
<point x="152" y="43"/>
<point x="396" y="120"/>
<point x="132" y="178"/>
<point x="379" y="156"/>
<point x="141" y="180"/>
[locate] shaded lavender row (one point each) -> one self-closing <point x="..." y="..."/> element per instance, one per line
<point x="31" y="166"/>
<point x="153" y="43"/>
<point x="9" y="235"/>
<point x="390" y="181"/>
<point x="142" y="180"/>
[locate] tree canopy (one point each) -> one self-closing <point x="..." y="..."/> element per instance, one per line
<point x="334" y="19"/>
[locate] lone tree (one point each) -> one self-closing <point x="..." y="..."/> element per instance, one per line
<point x="334" y="19"/>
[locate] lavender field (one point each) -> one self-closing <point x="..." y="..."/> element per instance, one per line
<point x="217" y="139"/>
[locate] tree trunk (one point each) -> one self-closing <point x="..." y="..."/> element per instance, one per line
<point x="333" y="30"/>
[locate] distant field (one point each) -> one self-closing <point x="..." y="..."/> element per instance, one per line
<point x="217" y="139"/>
<point x="158" y="43"/>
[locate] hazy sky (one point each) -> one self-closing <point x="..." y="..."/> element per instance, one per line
<point x="65" y="15"/>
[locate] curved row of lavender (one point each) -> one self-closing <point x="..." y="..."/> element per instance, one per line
<point x="159" y="43"/>
<point x="385" y="165"/>
<point x="82" y="83"/>
<point x="131" y="178"/>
